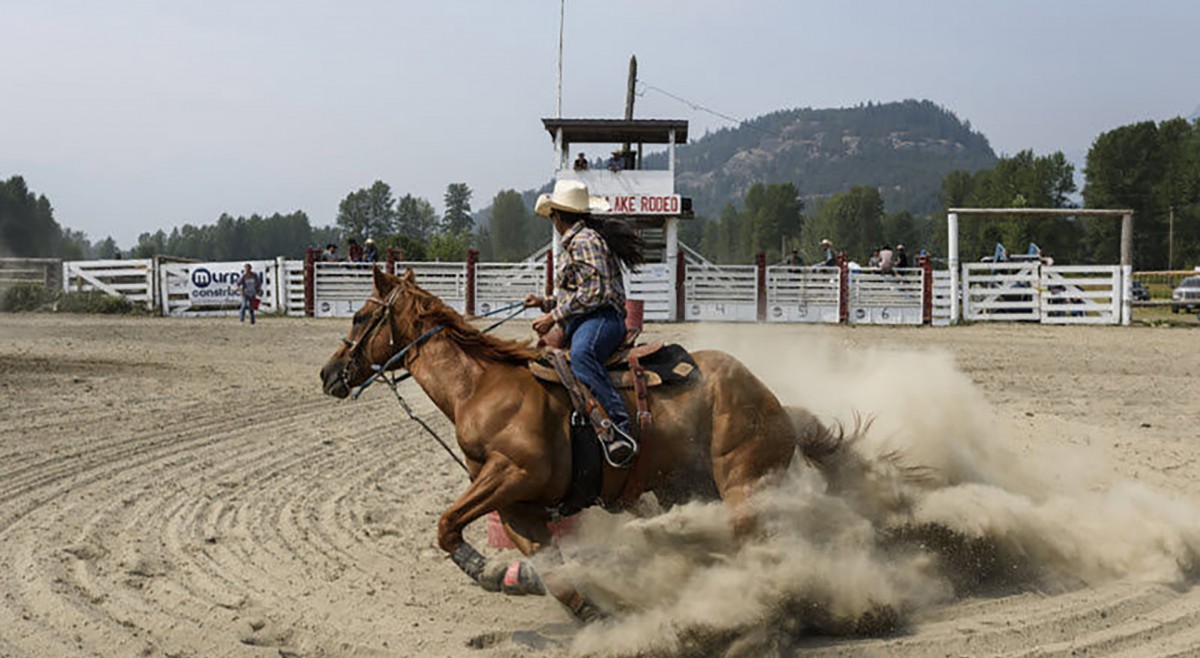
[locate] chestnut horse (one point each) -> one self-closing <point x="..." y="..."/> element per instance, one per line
<point x="721" y="434"/>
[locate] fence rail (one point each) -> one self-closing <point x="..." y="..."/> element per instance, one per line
<point x="687" y="290"/>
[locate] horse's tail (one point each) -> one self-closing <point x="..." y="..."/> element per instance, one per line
<point x="873" y="485"/>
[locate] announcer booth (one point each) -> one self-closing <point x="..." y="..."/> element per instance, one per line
<point x="613" y="150"/>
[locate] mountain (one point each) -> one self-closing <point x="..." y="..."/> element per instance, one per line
<point x="905" y="149"/>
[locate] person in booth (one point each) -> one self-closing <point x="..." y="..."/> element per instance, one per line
<point x="354" y="251"/>
<point x="581" y="163"/>
<point x="590" y="302"/>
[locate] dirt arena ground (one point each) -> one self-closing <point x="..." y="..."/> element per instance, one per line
<point x="176" y="487"/>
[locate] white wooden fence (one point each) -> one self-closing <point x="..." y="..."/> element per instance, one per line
<point x="199" y="289"/>
<point x="991" y="292"/>
<point x="498" y="285"/>
<point x="1051" y="294"/>
<point x="896" y="297"/>
<point x="654" y="284"/>
<point x="803" y="294"/>
<point x="726" y="293"/>
<point x="132" y="279"/>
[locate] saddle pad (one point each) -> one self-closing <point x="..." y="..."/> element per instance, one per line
<point x="665" y="365"/>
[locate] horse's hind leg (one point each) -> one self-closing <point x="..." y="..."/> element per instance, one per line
<point x="752" y="443"/>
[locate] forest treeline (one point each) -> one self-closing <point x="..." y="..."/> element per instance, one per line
<point x="1151" y="168"/>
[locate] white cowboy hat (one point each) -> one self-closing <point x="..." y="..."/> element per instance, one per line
<point x="826" y="241"/>
<point x="570" y="196"/>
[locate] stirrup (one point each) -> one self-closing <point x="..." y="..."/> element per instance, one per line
<point x="620" y="449"/>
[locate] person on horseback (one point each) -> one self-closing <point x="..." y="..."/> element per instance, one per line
<point x="590" y="300"/>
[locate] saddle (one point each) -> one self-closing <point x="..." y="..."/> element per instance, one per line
<point x="664" y="364"/>
<point x="631" y="366"/>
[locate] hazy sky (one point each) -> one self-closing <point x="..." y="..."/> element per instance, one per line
<point x="137" y="115"/>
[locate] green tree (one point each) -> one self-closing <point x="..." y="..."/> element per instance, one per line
<point x="852" y="220"/>
<point x="773" y="215"/>
<point x="1153" y="170"/>
<point x="457" y="218"/>
<point x="368" y="212"/>
<point x="1024" y="180"/>
<point x="27" y="225"/>
<point x="508" y="226"/>
<point x="415" y="218"/>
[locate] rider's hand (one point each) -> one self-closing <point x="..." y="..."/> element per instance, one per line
<point x="543" y="323"/>
<point x="533" y="301"/>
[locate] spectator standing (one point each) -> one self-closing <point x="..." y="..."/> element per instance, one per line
<point x="794" y="258"/>
<point x="830" y="257"/>
<point x="249" y="285"/>
<point x="354" y="251"/>
<point x="581" y="163"/>
<point x="887" y="260"/>
<point x="330" y="254"/>
<point x="371" y="253"/>
<point x="901" y="257"/>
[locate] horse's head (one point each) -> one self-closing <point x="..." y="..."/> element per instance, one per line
<point x="375" y="335"/>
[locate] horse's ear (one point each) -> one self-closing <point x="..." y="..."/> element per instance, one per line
<point x="384" y="282"/>
<point x="409" y="276"/>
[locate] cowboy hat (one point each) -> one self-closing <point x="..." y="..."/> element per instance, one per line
<point x="570" y="196"/>
<point x="826" y="241"/>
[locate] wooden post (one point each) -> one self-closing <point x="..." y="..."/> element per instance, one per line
<point x="549" y="273"/>
<point x="926" y="265"/>
<point x="1127" y="239"/>
<point x="680" y="286"/>
<point x="760" y="261"/>
<point x="843" y="288"/>
<point x="393" y="254"/>
<point x="472" y="259"/>
<point x="310" y="281"/>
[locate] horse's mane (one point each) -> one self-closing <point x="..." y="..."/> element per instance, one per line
<point x="426" y="309"/>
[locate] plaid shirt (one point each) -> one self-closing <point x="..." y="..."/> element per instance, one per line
<point x="587" y="276"/>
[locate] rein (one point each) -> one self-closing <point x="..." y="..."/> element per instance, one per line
<point x="393" y="381"/>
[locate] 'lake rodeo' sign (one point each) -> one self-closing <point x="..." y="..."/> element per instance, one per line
<point x="644" y="204"/>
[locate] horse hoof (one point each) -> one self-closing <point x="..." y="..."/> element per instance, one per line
<point x="520" y="579"/>
<point x="589" y="612"/>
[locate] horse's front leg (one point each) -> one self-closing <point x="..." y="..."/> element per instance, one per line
<point x="528" y="528"/>
<point x="497" y="485"/>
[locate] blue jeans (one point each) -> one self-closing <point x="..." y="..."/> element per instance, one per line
<point x="593" y="338"/>
<point x="247" y="305"/>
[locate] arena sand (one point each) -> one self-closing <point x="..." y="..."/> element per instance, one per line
<point x="181" y="488"/>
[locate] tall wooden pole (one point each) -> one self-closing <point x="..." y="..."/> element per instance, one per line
<point x="630" y="86"/>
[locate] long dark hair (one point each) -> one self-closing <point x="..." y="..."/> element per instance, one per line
<point x="623" y="240"/>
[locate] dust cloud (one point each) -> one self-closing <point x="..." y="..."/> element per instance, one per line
<point x="938" y="501"/>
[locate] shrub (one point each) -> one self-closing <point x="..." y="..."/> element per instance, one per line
<point x="94" y="301"/>
<point x="27" y="297"/>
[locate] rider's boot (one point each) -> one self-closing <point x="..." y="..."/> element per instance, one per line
<point x="620" y="448"/>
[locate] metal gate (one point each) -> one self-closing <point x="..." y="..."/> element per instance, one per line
<point x="1001" y="292"/>
<point x="895" y="297"/>
<point x="803" y="294"/>
<point x="721" y="293"/>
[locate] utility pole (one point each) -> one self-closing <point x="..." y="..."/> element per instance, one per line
<point x="1171" y="240"/>
<point x="631" y="85"/>
<point x="562" y="14"/>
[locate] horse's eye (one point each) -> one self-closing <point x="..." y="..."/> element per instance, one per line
<point x="360" y="318"/>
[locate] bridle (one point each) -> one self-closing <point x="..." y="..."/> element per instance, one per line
<point x="356" y="346"/>
<point x="382" y="370"/>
